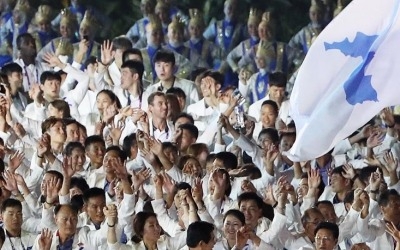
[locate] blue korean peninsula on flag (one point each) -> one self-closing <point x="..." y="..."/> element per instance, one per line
<point x="351" y="72"/>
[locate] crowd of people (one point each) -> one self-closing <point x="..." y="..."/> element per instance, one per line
<point x="175" y="136"/>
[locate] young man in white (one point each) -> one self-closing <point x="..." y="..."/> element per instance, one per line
<point x="165" y="67"/>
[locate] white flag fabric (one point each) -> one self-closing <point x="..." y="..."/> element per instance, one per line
<point x="351" y="72"/>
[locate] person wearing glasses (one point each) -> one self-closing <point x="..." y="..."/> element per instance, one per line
<point x="326" y="236"/>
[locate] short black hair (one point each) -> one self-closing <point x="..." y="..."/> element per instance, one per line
<point x="272" y="133"/>
<point x="185" y="115"/>
<point x="216" y="75"/>
<point x="49" y="75"/>
<point x="385" y="196"/>
<point x="272" y="104"/>
<point x="94" y="139"/>
<point x="328" y="226"/>
<point x="77" y="201"/>
<point x="71" y="146"/>
<point x="121" y="43"/>
<point x="120" y="152"/>
<point x="90" y="60"/>
<point x="22" y="37"/>
<point x="79" y="182"/>
<point x="10" y="68"/>
<point x="129" y="141"/>
<point x="247" y="196"/>
<point x="58" y="207"/>
<point x="168" y="144"/>
<point x="237" y="214"/>
<point x="111" y="95"/>
<point x="151" y="97"/>
<point x="324" y="202"/>
<point x="135" y="67"/>
<point x="338" y="170"/>
<point x="164" y="55"/>
<point x="93" y="192"/>
<point x="10" y="203"/>
<point x="199" y="231"/>
<point x="177" y="91"/>
<point x="131" y="51"/>
<point x="229" y="160"/>
<point x="278" y="79"/>
<point x="191" y="128"/>
<point x="57" y="174"/>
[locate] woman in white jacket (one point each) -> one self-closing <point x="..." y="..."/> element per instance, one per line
<point x="148" y="232"/>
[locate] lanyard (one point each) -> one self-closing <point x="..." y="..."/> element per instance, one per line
<point x="27" y="75"/>
<point x="12" y="244"/>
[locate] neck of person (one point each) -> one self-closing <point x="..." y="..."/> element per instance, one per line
<point x="50" y="99"/>
<point x="150" y="245"/>
<point x="159" y="123"/>
<point x="134" y="89"/>
<point x="95" y="165"/>
<point x="57" y="147"/>
<point x="310" y="235"/>
<point x="28" y="60"/>
<point x="211" y="101"/>
<point x="168" y="83"/>
<point x="13" y="91"/>
<point x="110" y="177"/>
<point x="14" y="232"/>
<point x="323" y="160"/>
<point x="63" y="237"/>
<point x="341" y="195"/>
<point x="231" y="242"/>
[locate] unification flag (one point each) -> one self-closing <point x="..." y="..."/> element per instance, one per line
<point x="351" y="72"/>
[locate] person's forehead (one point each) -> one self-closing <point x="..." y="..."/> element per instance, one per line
<point x="324" y="232"/>
<point x="248" y="203"/>
<point x="13" y="209"/>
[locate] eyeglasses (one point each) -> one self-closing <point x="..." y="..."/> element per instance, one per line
<point x="323" y="238"/>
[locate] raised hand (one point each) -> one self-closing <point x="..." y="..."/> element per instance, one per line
<point x="10" y="183"/>
<point x="387" y="117"/>
<point x="15" y="160"/>
<point x="53" y="186"/>
<point x="158" y="181"/>
<point x="138" y="178"/>
<point x="271" y="154"/>
<point x="52" y="60"/>
<point x="391" y="163"/>
<point x="116" y="131"/>
<point x="247" y="186"/>
<point x="374" y="140"/>
<point x="111" y="213"/>
<point x="43" y="146"/>
<point x="83" y="46"/>
<point x="222" y="122"/>
<point x="155" y="146"/>
<point x="375" y="180"/>
<point x="348" y="171"/>
<point x="242" y="236"/>
<point x="197" y="191"/>
<point x="168" y="183"/>
<point x="314" y="179"/>
<point x="106" y="53"/>
<point x="269" y="196"/>
<point x="45" y="239"/>
<point x="99" y="127"/>
<point x="19" y="130"/>
<point x="393" y="231"/>
<point x="68" y="170"/>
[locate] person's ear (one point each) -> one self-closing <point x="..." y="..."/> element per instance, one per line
<point x="217" y="86"/>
